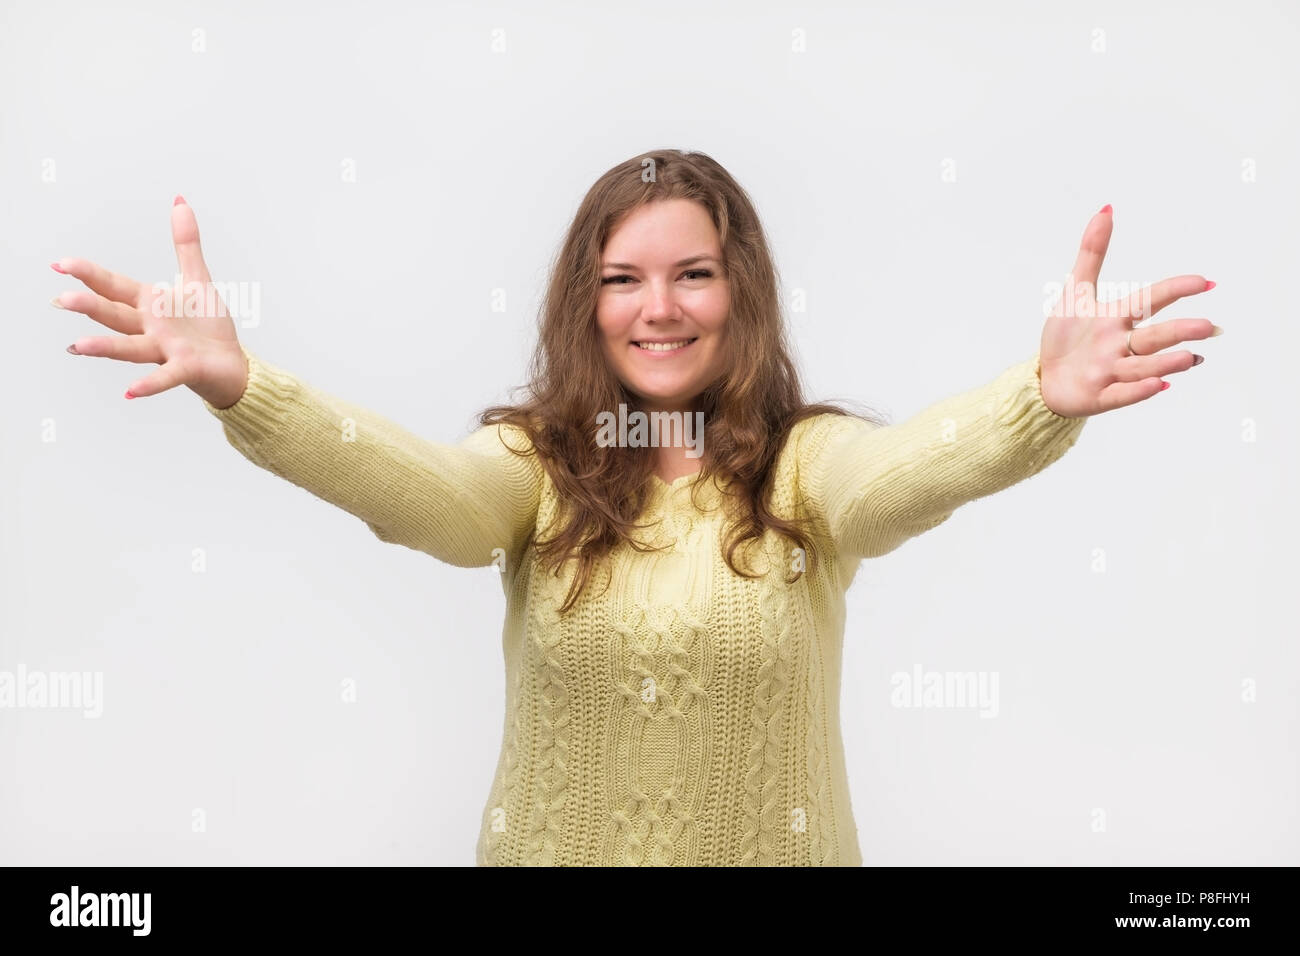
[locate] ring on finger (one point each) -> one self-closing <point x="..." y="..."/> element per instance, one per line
<point x="1129" y="342"/>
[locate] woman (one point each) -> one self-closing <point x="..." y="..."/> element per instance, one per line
<point x="675" y="611"/>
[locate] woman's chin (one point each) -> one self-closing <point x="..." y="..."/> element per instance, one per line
<point x="661" y="396"/>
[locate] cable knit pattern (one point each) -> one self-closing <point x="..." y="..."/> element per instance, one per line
<point x="680" y="714"/>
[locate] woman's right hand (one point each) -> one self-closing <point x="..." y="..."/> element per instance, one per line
<point x="187" y="331"/>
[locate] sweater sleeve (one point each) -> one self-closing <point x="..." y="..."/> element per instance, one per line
<point x="456" y="503"/>
<point x="873" y="487"/>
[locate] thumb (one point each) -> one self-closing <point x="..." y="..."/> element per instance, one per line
<point x="185" y="236"/>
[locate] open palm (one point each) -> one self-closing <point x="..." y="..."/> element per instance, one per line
<point x="187" y="331"/>
<point x="1086" y="367"/>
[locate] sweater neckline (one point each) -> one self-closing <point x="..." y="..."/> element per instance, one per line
<point x="676" y="482"/>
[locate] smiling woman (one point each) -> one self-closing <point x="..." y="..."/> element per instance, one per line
<point x="674" y="624"/>
<point x="663" y="323"/>
<point x="668" y="287"/>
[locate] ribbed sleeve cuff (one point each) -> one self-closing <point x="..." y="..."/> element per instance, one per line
<point x="264" y="406"/>
<point x="1030" y="423"/>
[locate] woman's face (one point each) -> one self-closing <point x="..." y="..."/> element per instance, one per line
<point x="662" y="281"/>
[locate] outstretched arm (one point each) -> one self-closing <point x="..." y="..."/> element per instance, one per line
<point x="874" y="487"/>
<point x="457" y="503"/>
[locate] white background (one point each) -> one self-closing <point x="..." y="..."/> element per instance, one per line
<point x="1121" y="690"/>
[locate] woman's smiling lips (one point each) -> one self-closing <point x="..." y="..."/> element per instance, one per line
<point x="661" y="347"/>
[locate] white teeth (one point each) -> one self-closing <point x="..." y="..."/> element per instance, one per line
<point x="663" y="346"/>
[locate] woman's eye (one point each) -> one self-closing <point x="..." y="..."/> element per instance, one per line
<point x="615" y="280"/>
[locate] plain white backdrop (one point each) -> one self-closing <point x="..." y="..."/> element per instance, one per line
<point x="385" y="172"/>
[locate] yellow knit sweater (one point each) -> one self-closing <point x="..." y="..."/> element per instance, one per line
<point x="684" y="715"/>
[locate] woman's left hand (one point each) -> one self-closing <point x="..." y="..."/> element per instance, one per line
<point x="1084" y="360"/>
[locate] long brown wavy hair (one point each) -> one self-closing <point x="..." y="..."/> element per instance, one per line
<point x="748" y="411"/>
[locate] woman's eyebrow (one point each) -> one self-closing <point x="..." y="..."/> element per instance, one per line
<point x="678" y="265"/>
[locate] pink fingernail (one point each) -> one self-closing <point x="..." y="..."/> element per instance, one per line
<point x="1210" y="284"/>
<point x="128" y="394"/>
<point x="1106" y="208"/>
<point x="58" y="268"/>
<point x="178" y="200"/>
<point x="1163" y="386"/>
